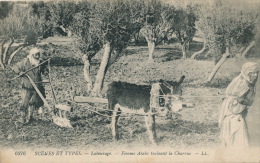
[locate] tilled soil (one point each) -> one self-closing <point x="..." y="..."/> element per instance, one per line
<point x="192" y="127"/>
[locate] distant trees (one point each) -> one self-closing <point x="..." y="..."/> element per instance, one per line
<point x="184" y="27"/>
<point x="157" y="24"/>
<point x="106" y="26"/>
<point x="5" y="8"/>
<point x="222" y="20"/>
<point x="42" y="12"/>
<point x="17" y="24"/>
<point x="225" y="27"/>
<point x="204" y="26"/>
<point x="246" y="29"/>
<point x="56" y="14"/>
<point x="163" y="20"/>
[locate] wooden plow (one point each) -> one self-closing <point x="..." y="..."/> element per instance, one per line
<point x="60" y="112"/>
<point x="84" y="99"/>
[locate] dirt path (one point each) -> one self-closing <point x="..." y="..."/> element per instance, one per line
<point x="254" y="118"/>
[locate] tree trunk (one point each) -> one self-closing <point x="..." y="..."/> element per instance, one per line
<point x="218" y="65"/>
<point x="86" y="73"/>
<point x="1" y="54"/>
<point x="151" y="46"/>
<point x="208" y="52"/>
<point x="19" y="48"/>
<point x="65" y="30"/>
<point x="188" y="45"/>
<point x="149" y="33"/>
<point x="6" y="50"/>
<point x="248" y="48"/>
<point x="102" y="70"/>
<point x="114" y="57"/>
<point x="136" y="37"/>
<point x="240" y="51"/>
<point x="194" y="55"/>
<point x="69" y="33"/>
<point x="183" y="49"/>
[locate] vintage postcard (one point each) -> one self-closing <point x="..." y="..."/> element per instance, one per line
<point x="130" y="81"/>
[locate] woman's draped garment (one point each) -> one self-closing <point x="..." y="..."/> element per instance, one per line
<point x="232" y="115"/>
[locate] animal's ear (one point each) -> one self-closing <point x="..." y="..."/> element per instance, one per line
<point x="161" y="81"/>
<point x="181" y="80"/>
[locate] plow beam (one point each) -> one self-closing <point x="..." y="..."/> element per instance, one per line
<point x="83" y="99"/>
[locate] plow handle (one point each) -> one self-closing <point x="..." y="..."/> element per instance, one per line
<point x="49" y="75"/>
<point x="39" y="93"/>
<point x="60" y="121"/>
<point x="29" y="70"/>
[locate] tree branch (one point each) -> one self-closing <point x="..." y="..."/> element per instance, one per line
<point x="7" y="49"/>
<point x="248" y="48"/>
<point x="1" y="53"/>
<point x="19" y="48"/>
<point x="202" y="50"/>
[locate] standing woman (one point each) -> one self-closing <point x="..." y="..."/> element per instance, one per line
<point x="240" y="95"/>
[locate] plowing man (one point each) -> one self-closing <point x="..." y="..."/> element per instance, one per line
<point x="30" y="99"/>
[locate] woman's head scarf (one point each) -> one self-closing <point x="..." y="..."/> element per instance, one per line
<point x="240" y="84"/>
<point x="247" y="68"/>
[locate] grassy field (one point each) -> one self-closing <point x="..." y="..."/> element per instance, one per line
<point x="193" y="127"/>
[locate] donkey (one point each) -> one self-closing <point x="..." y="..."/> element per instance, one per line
<point x="136" y="99"/>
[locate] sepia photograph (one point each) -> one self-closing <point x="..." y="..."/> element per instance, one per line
<point x="129" y="81"/>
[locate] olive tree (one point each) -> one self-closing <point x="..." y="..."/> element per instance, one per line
<point x="5" y="8"/>
<point x="55" y="14"/>
<point x="18" y="24"/>
<point x="105" y="26"/>
<point x="184" y="27"/>
<point x="157" y="25"/>
<point x="228" y="25"/>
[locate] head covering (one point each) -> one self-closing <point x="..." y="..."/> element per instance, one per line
<point x="33" y="60"/>
<point x="239" y="84"/>
<point x="34" y="51"/>
<point x="247" y="68"/>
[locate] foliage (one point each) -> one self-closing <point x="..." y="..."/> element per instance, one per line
<point x="163" y="20"/>
<point x="100" y="22"/>
<point x="222" y="21"/>
<point x="62" y="12"/>
<point x="87" y="34"/>
<point x="19" y="22"/>
<point x="5" y="8"/>
<point x="158" y="21"/>
<point x="41" y="10"/>
<point x="55" y="14"/>
<point x="184" y="24"/>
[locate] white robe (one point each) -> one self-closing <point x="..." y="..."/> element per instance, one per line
<point x="234" y="131"/>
